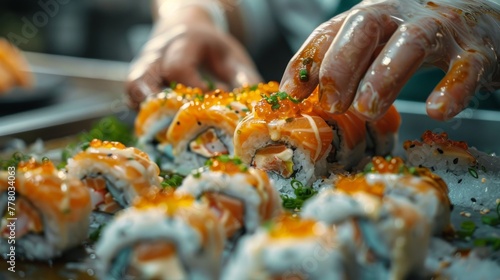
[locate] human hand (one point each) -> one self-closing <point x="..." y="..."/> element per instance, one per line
<point x="365" y="56"/>
<point x="13" y="67"/>
<point x="183" y="46"/>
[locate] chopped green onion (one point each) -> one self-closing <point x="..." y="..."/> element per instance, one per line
<point x="173" y="84"/>
<point x="490" y="220"/>
<point x="304" y="75"/>
<point x="94" y="236"/>
<point x="172" y="181"/>
<point x="473" y="173"/>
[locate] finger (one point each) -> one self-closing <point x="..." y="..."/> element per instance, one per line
<point x="182" y="62"/>
<point x="399" y="60"/>
<point x="143" y="80"/>
<point x="233" y="66"/>
<point x="459" y="85"/>
<point x="350" y="54"/>
<point x="6" y="78"/>
<point x="301" y="75"/>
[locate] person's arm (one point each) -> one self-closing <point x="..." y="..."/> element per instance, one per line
<point x="190" y="39"/>
<point x="361" y="59"/>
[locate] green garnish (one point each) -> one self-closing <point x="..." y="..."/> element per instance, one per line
<point x="94" y="236"/>
<point x="109" y="129"/>
<point x="492" y="220"/>
<point x="304" y="75"/>
<point x="210" y="84"/>
<point x="197" y="173"/>
<point x="200" y="97"/>
<point x="14" y="160"/>
<point x="301" y="192"/>
<point x="274" y="99"/>
<point x="173" y="84"/>
<point x="245" y="110"/>
<point x="229" y="107"/>
<point x="172" y="181"/>
<point x="473" y="172"/>
<point x="493" y="241"/>
<point x="254" y="87"/>
<point x="467" y="229"/>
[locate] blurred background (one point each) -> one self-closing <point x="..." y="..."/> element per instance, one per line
<point x="80" y="52"/>
<point x="101" y="29"/>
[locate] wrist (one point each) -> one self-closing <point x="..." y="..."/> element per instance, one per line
<point x="192" y="11"/>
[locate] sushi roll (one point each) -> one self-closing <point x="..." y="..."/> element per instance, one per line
<point x="155" y="116"/>
<point x="282" y="140"/>
<point x="349" y="136"/>
<point x="44" y="213"/>
<point x="386" y="217"/>
<point x="114" y="173"/>
<point x="242" y="197"/>
<point x="204" y="128"/>
<point x="383" y="133"/>
<point x="290" y="248"/>
<point x="164" y="235"/>
<point x="437" y="152"/>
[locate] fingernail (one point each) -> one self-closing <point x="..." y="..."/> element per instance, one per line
<point x="367" y="101"/>
<point x="330" y="97"/>
<point x="440" y="107"/>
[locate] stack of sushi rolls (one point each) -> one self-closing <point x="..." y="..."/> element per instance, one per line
<point x="242" y="197"/>
<point x="182" y="127"/>
<point x="114" y="173"/>
<point x="45" y="211"/>
<point x="270" y="130"/>
<point x="163" y="235"/>
<point x="385" y="217"/>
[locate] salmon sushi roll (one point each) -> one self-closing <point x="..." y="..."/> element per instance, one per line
<point x="290" y="248"/>
<point x="241" y="197"/>
<point x="282" y="140"/>
<point x="114" y="173"/>
<point x="155" y="116"/>
<point x="164" y="235"/>
<point x="437" y="152"/>
<point x="349" y="135"/>
<point x="386" y="217"/>
<point x="44" y="213"/>
<point x="204" y="128"/>
<point x="383" y="133"/>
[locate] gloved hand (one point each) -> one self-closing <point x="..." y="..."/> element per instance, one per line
<point x="14" y="70"/>
<point x="364" y="56"/>
<point x="185" y="44"/>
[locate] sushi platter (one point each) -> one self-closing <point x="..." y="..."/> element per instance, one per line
<point x="248" y="185"/>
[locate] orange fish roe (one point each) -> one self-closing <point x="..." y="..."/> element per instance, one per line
<point x="288" y="226"/>
<point x="280" y="105"/>
<point x="432" y="138"/>
<point x="45" y="167"/>
<point x="351" y="185"/>
<point x="383" y="165"/>
<point x="227" y="165"/>
<point x="97" y="143"/>
<point x="170" y="201"/>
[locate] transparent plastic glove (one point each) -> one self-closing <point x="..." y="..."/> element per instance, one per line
<point x="189" y="51"/>
<point x="365" y="56"/>
<point x="14" y="69"/>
